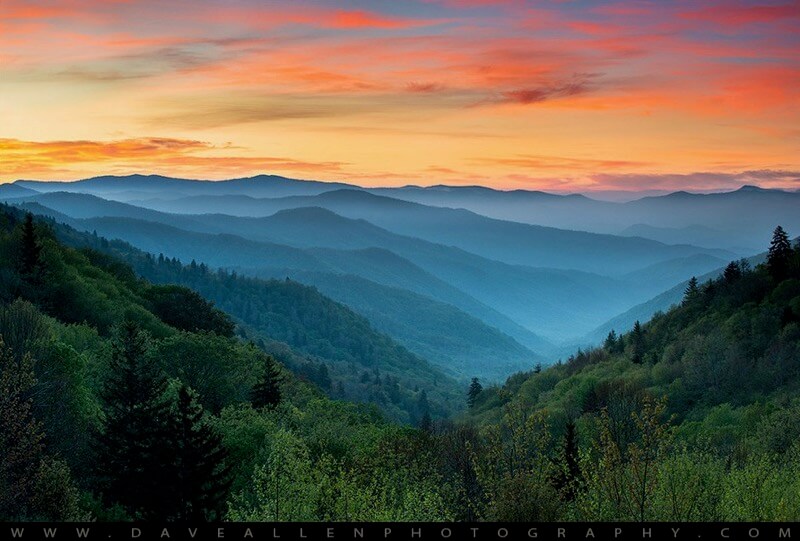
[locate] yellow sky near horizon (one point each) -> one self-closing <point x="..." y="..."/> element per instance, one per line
<point x="576" y="96"/>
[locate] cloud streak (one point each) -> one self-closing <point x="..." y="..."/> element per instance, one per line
<point x="142" y="154"/>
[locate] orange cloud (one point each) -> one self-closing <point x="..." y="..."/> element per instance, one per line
<point x="152" y="154"/>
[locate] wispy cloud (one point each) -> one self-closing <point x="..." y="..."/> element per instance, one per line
<point x="152" y="154"/>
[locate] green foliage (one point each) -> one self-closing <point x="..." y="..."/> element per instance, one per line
<point x="132" y="448"/>
<point x="221" y="370"/>
<point x="321" y="330"/>
<point x="475" y="389"/>
<point x="33" y="484"/>
<point x="197" y="479"/>
<point x="267" y="392"/>
<point x="184" y="309"/>
<point x="691" y="416"/>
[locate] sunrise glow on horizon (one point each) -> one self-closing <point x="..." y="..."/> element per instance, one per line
<point x="559" y="96"/>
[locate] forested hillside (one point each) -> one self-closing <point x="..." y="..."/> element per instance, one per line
<point x="122" y="400"/>
<point x="691" y="416"/>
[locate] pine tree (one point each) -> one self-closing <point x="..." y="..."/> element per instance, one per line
<point x="569" y="473"/>
<point x="779" y="255"/>
<point x="692" y="291"/>
<point x="475" y="389"/>
<point x="197" y="481"/>
<point x="30" y="251"/>
<point x="637" y="343"/>
<point x="610" y="345"/>
<point x="267" y="392"/>
<point x="732" y="272"/>
<point x="131" y="449"/>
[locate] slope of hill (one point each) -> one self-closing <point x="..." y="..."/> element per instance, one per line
<point x="11" y="191"/>
<point x="456" y="348"/>
<point x="460" y="345"/>
<point x="711" y="220"/>
<point x="278" y="261"/>
<point x="556" y="304"/>
<point x="704" y="396"/>
<point x="510" y="242"/>
<point x="317" y="327"/>
<point x="660" y="303"/>
<point x="680" y="218"/>
<point x="99" y="375"/>
<point x="531" y="298"/>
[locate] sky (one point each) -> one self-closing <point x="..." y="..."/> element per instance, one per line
<point x="564" y="96"/>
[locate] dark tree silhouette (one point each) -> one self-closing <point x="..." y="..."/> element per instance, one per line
<point x="198" y="480"/>
<point x="30" y="251"/>
<point x="692" y="291"/>
<point x="637" y="343"/>
<point x="186" y="310"/>
<point x="732" y="272"/>
<point x="132" y="449"/>
<point x="569" y="470"/>
<point x="610" y="343"/>
<point x="780" y="253"/>
<point x="475" y="389"/>
<point x="267" y="392"/>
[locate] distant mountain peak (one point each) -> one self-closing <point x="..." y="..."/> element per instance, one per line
<point x="752" y="188"/>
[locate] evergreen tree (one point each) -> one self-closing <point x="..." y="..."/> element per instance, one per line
<point x="610" y="345"/>
<point x="637" y="343"/>
<point x="475" y="389"/>
<point x="780" y="253"/>
<point x="732" y="272"/>
<point x="267" y="392"/>
<point x="197" y="481"/>
<point x="692" y="291"/>
<point x="569" y="473"/>
<point x="133" y="448"/>
<point x="30" y="251"/>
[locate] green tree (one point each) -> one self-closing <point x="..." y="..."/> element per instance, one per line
<point x="185" y="309"/>
<point x="692" y="291"/>
<point x="732" y="272"/>
<point x="568" y="477"/>
<point x="197" y="481"/>
<point x="33" y="486"/>
<point x="637" y="343"/>
<point x="20" y="436"/>
<point x="284" y="487"/>
<point x="130" y="450"/>
<point x="267" y="392"/>
<point x="475" y="389"/>
<point x="780" y="253"/>
<point x="610" y="344"/>
<point x="30" y="251"/>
